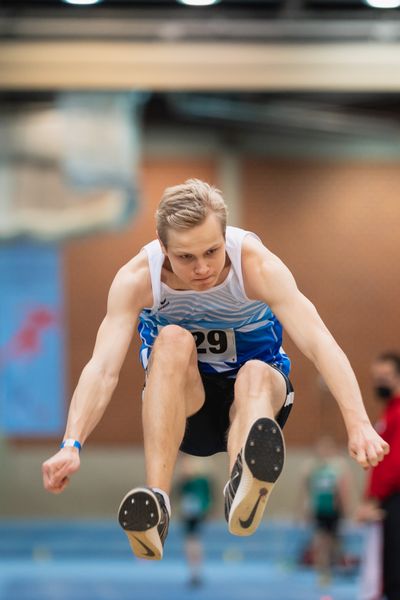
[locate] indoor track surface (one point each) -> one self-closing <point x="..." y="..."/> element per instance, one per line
<point x="70" y="560"/>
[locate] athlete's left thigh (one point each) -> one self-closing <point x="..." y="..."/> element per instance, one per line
<point x="259" y="382"/>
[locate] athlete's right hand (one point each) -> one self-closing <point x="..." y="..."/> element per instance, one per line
<point x="57" y="470"/>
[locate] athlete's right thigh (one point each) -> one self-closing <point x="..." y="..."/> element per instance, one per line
<point x="174" y="360"/>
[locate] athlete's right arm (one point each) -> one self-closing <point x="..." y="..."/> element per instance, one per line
<point x="129" y="293"/>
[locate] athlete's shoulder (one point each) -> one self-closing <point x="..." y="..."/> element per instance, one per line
<point x="237" y="234"/>
<point x="246" y="242"/>
<point x="252" y="243"/>
<point x="152" y="247"/>
<point x="256" y="254"/>
<point x="136" y="266"/>
<point x="133" y="280"/>
<point x="265" y="276"/>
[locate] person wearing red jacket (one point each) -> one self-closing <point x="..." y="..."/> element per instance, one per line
<point x="382" y="494"/>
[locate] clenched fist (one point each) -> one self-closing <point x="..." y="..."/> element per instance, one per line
<point x="366" y="446"/>
<point x="58" y="469"/>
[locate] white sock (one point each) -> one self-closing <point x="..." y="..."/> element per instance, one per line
<point x="166" y="499"/>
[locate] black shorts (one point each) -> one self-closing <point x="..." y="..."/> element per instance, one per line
<point x="327" y="523"/>
<point x="207" y="430"/>
<point x="192" y="525"/>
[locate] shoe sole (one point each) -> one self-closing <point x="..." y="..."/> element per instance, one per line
<point x="263" y="457"/>
<point x="139" y="515"/>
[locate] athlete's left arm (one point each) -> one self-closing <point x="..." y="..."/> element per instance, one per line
<point x="267" y="279"/>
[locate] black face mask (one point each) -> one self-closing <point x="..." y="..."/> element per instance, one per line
<point x="383" y="391"/>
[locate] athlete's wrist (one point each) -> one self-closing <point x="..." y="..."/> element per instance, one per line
<point x="71" y="443"/>
<point x="354" y="420"/>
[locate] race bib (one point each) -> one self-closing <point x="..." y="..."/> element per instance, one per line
<point x="215" y="345"/>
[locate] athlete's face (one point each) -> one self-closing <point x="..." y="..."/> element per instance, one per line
<point x="197" y="255"/>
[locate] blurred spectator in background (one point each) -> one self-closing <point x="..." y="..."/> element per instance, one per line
<point x="382" y="494"/>
<point x="327" y="484"/>
<point x="194" y="490"/>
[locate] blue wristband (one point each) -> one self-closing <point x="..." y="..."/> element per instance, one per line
<point x="71" y="444"/>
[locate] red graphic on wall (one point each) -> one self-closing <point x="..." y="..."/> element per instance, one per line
<point x="26" y="342"/>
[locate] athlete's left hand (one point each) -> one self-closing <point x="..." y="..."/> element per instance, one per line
<point x="366" y="446"/>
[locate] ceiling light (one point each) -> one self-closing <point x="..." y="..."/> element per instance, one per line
<point x="198" y="2"/>
<point x="384" y="3"/>
<point x="82" y="2"/>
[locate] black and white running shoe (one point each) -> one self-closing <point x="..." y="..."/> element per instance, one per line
<point x="257" y="467"/>
<point x="145" y="519"/>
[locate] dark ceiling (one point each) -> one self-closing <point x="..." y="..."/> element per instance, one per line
<point x="228" y="7"/>
<point x="342" y="4"/>
<point x="231" y="20"/>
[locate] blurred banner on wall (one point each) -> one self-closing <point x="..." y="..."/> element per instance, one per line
<point x="68" y="165"/>
<point x="31" y="340"/>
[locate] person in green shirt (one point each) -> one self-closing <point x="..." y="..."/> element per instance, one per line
<point x="327" y="484"/>
<point x="194" y="490"/>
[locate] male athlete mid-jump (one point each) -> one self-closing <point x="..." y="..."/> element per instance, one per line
<point x="209" y="301"/>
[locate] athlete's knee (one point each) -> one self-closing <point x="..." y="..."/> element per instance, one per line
<point x="174" y="342"/>
<point x="175" y="335"/>
<point x="254" y="371"/>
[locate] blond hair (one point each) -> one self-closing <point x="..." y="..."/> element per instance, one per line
<point x="187" y="205"/>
